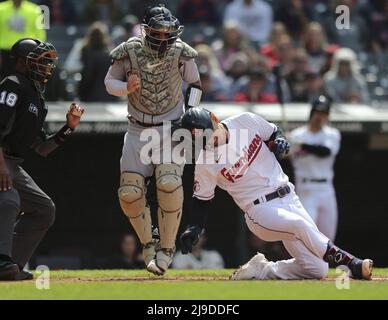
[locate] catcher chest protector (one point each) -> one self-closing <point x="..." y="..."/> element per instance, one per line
<point x="161" y="80"/>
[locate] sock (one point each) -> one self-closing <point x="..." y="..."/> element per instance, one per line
<point x="336" y="256"/>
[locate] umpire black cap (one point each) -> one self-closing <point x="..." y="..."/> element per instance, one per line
<point x="198" y="118"/>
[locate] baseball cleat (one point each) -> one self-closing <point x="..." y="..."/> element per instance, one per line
<point x="164" y="258"/>
<point x="8" y="270"/>
<point x="23" y="276"/>
<point x="367" y="268"/>
<point x="149" y="252"/>
<point x="153" y="268"/>
<point x="252" y="269"/>
<point x="361" y="269"/>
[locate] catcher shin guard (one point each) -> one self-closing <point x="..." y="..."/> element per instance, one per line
<point x="170" y="198"/>
<point x="133" y="203"/>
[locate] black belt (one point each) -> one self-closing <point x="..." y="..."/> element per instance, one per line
<point x="305" y="180"/>
<point x="279" y="193"/>
<point x="146" y="125"/>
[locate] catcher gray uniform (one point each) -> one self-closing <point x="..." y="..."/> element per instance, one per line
<point x="159" y="98"/>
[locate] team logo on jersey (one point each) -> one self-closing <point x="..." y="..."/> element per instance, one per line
<point x="33" y="109"/>
<point x="239" y="169"/>
<point x="196" y="186"/>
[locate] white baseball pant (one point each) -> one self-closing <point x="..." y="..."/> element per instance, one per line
<point x="285" y="219"/>
<point x="321" y="204"/>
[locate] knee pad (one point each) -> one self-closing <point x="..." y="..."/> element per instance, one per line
<point x="132" y="194"/>
<point x="169" y="187"/>
<point x="132" y="201"/>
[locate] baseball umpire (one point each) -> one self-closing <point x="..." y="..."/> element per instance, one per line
<point x="150" y="71"/>
<point x="26" y="212"/>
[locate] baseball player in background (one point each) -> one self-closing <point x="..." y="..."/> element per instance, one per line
<point x="150" y="70"/>
<point x="22" y="115"/>
<point x="241" y="157"/>
<point x="313" y="152"/>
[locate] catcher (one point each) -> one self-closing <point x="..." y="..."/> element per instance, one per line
<point x="22" y="114"/>
<point x="150" y="70"/>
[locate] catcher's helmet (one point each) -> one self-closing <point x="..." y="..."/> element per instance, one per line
<point x="160" y="29"/>
<point x="40" y="58"/>
<point x="321" y="103"/>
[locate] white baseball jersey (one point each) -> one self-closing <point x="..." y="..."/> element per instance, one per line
<point x="244" y="167"/>
<point x="310" y="166"/>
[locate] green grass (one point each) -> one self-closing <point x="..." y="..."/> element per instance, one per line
<point x="208" y="284"/>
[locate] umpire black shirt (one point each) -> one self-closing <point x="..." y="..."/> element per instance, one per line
<point x="22" y="114"/>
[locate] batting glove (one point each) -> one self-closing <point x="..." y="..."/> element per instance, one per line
<point x="190" y="238"/>
<point x="279" y="146"/>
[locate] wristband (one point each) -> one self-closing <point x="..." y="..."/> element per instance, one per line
<point x="63" y="134"/>
<point x="193" y="96"/>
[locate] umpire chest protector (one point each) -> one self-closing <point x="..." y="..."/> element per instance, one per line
<point x="161" y="80"/>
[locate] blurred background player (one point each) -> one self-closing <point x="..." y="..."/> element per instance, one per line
<point x="150" y="70"/>
<point x="315" y="147"/>
<point x="22" y="115"/>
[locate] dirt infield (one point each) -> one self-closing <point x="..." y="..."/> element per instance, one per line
<point x="178" y="279"/>
<point x="143" y="279"/>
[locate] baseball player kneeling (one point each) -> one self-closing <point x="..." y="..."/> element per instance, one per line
<point x="241" y="157"/>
